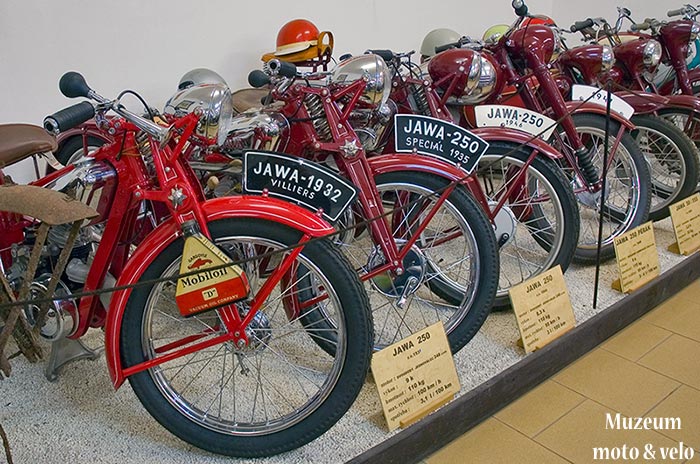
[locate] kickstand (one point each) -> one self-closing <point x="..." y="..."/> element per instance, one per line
<point x="64" y="351"/>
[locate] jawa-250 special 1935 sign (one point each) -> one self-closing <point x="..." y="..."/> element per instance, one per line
<point x="221" y="356"/>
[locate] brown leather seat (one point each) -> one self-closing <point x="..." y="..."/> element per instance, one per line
<point x="245" y="99"/>
<point x="19" y="141"/>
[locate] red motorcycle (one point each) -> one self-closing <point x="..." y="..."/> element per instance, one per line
<point x="524" y="55"/>
<point x="199" y="358"/>
<point x="432" y="254"/>
<point x="516" y="181"/>
<point x="671" y="155"/>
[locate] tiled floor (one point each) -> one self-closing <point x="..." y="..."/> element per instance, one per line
<point x="650" y="369"/>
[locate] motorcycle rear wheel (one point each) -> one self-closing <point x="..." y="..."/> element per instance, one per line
<point x="279" y="392"/>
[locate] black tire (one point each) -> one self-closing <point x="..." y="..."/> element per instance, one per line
<point x="462" y="310"/>
<point x="72" y="148"/>
<point x="544" y="216"/>
<point x="628" y="189"/>
<point x="301" y="403"/>
<point x="673" y="162"/>
<point x="686" y="120"/>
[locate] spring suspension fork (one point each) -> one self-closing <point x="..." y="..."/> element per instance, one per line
<point x="143" y="144"/>
<point x="314" y="106"/>
<point x="421" y="99"/>
<point x="584" y="159"/>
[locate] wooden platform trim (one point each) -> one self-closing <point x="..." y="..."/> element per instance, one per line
<point x="440" y="428"/>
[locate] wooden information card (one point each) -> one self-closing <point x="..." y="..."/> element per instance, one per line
<point x="686" y="224"/>
<point x="637" y="258"/>
<point x="415" y="376"/>
<point x="542" y="309"/>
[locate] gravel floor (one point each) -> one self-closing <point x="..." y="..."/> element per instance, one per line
<point x="81" y="419"/>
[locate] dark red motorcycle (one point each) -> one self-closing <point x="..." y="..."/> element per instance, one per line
<point x="671" y="155"/>
<point x="203" y="343"/>
<point x="431" y="254"/>
<point x="524" y="56"/>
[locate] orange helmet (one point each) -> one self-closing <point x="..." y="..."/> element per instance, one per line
<point x="538" y="19"/>
<point x="299" y="40"/>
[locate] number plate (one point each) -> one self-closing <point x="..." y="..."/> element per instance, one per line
<point x="430" y="136"/>
<point x="512" y="117"/>
<point x="300" y="181"/>
<point x="617" y="104"/>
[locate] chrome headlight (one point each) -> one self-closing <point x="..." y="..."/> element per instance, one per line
<point x="215" y="104"/>
<point x="483" y="85"/>
<point x="694" y="31"/>
<point x="373" y="70"/>
<point x="608" y="58"/>
<point x="651" y="55"/>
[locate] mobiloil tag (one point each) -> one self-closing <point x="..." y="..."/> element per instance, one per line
<point x="207" y="289"/>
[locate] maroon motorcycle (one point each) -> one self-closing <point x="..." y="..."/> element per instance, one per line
<point x="426" y="250"/>
<point x="516" y="181"/>
<point x="524" y="55"/>
<point x="671" y="155"/>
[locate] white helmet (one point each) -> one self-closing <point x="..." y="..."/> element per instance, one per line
<point x="438" y="38"/>
<point x="200" y="76"/>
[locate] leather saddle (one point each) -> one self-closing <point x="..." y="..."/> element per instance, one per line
<point x="20" y="141"/>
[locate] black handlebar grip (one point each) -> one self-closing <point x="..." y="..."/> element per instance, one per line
<point x="70" y="117"/>
<point x="579" y="25"/>
<point x="520" y="8"/>
<point x="258" y="79"/>
<point x="677" y="12"/>
<point x="386" y="55"/>
<point x="283" y="68"/>
<point x="442" y="48"/>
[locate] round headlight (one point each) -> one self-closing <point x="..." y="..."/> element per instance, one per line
<point x="373" y="70"/>
<point x="215" y="104"/>
<point x="651" y="55"/>
<point x="694" y="31"/>
<point x="607" y="58"/>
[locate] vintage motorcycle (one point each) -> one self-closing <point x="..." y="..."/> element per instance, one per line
<point x="516" y="181"/>
<point x="199" y="358"/>
<point x="428" y="252"/>
<point x="670" y="153"/>
<point x="524" y="56"/>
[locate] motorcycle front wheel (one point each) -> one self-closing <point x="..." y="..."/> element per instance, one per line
<point x="281" y="390"/>
<point x="537" y="228"/>
<point x="672" y="159"/>
<point x="454" y="261"/>
<point x="628" y="187"/>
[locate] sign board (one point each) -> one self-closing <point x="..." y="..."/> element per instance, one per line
<point x="542" y="309"/>
<point x="598" y="96"/>
<point x="438" y="138"/>
<point x="637" y="258"/>
<point x="685" y="216"/>
<point x="512" y="117"/>
<point x="415" y="376"/>
<point x="213" y="284"/>
<point x="297" y="180"/>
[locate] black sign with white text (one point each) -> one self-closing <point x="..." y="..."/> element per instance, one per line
<point x="434" y="137"/>
<point x="297" y="180"/>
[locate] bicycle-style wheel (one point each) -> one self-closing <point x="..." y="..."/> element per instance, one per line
<point x="278" y="392"/>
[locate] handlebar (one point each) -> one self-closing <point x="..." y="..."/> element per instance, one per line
<point x="258" y="78"/>
<point x="520" y="8"/>
<point x="678" y="12"/>
<point x="283" y="68"/>
<point x="68" y="118"/>
<point x="386" y="55"/>
<point x="636" y="27"/>
<point x="580" y="25"/>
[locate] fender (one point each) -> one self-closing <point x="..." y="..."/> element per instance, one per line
<point x="227" y="207"/>
<point x="86" y="129"/>
<point x="393" y="162"/>
<point x="575" y="107"/>
<point x="687" y="102"/>
<point x="644" y="102"/>
<point x="501" y="134"/>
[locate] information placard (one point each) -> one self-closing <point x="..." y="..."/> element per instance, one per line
<point x="637" y="258"/>
<point x="415" y="376"/>
<point x="542" y="309"/>
<point x="685" y="216"/>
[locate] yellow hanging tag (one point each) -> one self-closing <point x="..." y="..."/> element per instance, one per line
<point x="208" y="288"/>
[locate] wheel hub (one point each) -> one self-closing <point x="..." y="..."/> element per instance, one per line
<point x="399" y="285"/>
<point x="258" y="331"/>
<point x="504" y="224"/>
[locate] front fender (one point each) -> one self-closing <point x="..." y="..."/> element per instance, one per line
<point x="576" y="107"/>
<point x="501" y="134"/>
<point x="269" y="209"/>
<point x="644" y="102"/>
<point x="88" y="128"/>
<point x="407" y="162"/>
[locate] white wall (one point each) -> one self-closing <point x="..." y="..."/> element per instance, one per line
<point x="148" y="45"/>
